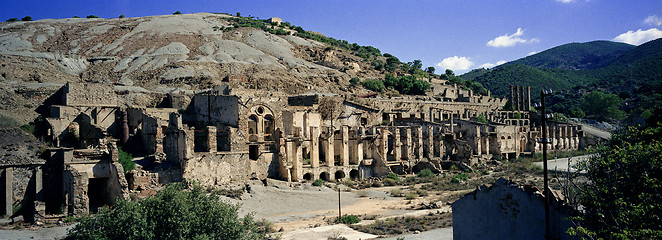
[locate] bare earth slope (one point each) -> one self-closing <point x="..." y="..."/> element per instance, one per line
<point x="158" y="53"/>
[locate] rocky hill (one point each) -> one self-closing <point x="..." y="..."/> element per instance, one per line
<point x="160" y="54"/>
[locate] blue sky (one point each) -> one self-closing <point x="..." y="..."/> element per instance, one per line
<point x="461" y="34"/>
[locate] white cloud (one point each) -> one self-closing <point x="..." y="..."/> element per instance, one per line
<point x="510" y="40"/>
<point x="491" y="65"/>
<point x="564" y="1"/>
<point x="639" y="37"/>
<point x="653" y="20"/>
<point x="531" y="53"/>
<point x="455" y="63"/>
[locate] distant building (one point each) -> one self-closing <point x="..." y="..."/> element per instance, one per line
<point x="275" y="20"/>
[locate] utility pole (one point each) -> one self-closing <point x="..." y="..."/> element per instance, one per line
<point x="545" y="141"/>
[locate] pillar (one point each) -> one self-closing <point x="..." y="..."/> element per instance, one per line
<point x="294" y="156"/>
<point x="344" y="154"/>
<point x="330" y="151"/>
<point x="314" y="147"/>
<point x="478" y="142"/>
<point x="8" y="178"/>
<point x="211" y="139"/>
<point x="397" y="145"/>
<point x="428" y="142"/>
<point x="418" y="142"/>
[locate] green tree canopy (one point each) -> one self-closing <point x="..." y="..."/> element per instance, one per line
<point x="603" y="106"/>
<point x="173" y="213"/>
<point x="622" y="197"/>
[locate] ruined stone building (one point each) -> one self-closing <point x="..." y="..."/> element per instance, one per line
<point x="228" y="135"/>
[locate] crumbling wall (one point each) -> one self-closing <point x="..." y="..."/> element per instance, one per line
<point x="86" y="94"/>
<point x="507" y="211"/>
<point x="75" y="191"/>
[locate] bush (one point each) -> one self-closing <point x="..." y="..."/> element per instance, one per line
<point x="92" y="16"/>
<point x="354" y="81"/>
<point x="397" y="193"/>
<point x="12" y="20"/>
<point x="349" y="219"/>
<point x="373" y="84"/>
<point x="458" y="177"/>
<point x="177" y="13"/>
<point x="318" y="182"/>
<point x="425" y="173"/>
<point x="126" y="159"/>
<point x="26" y="18"/>
<point x="390" y="182"/>
<point x="393" y="176"/>
<point x="411" y="196"/>
<point x="173" y="213"/>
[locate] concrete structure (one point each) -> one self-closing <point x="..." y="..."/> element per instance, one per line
<point x="225" y="135"/>
<point x="506" y="210"/>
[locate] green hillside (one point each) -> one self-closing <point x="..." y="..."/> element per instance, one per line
<point x="577" y="56"/>
<point x="635" y="76"/>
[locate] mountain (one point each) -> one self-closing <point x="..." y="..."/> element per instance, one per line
<point x="577" y="56"/>
<point x="634" y="73"/>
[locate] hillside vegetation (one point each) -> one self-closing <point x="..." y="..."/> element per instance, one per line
<point x="632" y="74"/>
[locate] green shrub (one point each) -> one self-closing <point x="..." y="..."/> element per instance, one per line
<point x="177" y="13"/>
<point x="26" y="18"/>
<point x="318" y="182"/>
<point x="421" y="192"/>
<point x="122" y="16"/>
<point x="411" y="195"/>
<point x="92" y="16"/>
<point x="393" y="176"/>
<point x="126" y="159"/>
<point x="390" y="182"/>
<point x="349" y="219"/>
<point x="458" y="177"/>
<point x="425" y="173"/>
<point x="354" y="81"/>
<point x="12" y="20"/>
<point x="397" y="193"/>
<point x="173" y="213"/>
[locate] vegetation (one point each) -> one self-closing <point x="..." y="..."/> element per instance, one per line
<point x="481" y="118"/>
<point x="177" y="13"/>
<point x="92" y="16"/>
<point x="349" y="219"/>
<point x="459" y="177"/>
<point x="26" y="19"/>
<point x="393" y="176"/>
<point x="126" y="159"/>
<point x="425" y="173"/>
<point x="173" y="213"/>
<point x="318" y="182"/>
<point x="621" y="199"/>
<point x="374" y="85"/>
<point x="575" y="71"/>
<point x="12" y="20"/>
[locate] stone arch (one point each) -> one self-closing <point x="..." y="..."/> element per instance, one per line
<point x="268" y="126"/>
<point x="308" y="176"/>
<point x="252" y="124"/>
<point x="354" y="174"/>
<point x="325" y="176"/>
<point x="339" y="175"/>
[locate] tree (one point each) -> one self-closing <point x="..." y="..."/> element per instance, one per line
<point x="26" y="18"/>
<point x="603" y="106"/>
<point x="429" y="70"/>
<point x="622" y="197"/>
<point x="177" y="13"/>
<point x="449" y="73"/>
<point x="238" y="14"/>
<point x="173" y="213"/>
<point x="122" y="16"/>
<point x="92" y="16"/>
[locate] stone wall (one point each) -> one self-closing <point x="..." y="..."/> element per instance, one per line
<point x="97" y="95"/>
<point x="507" y="211"/>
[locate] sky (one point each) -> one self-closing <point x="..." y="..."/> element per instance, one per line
<point x="459" y="35"/>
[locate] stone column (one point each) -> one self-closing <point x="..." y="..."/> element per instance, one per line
<point x="8" y="178"/>
<point x="407" y="153"/>
<point x="428" y="142"/>
<point x="211" y="139"/>
<point x="330" y="151"/>
<point x="478" y="140"/>
<point x="314" y="147"/>
<point x="40" y="207"/>
<point x="344" y="155"/>
<point x="438" y="143"/>
<point x="418" y="142"/>
<point x="397" y="145"/>
<point x="383" y="144"/>
<point x="294" y="156"/>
